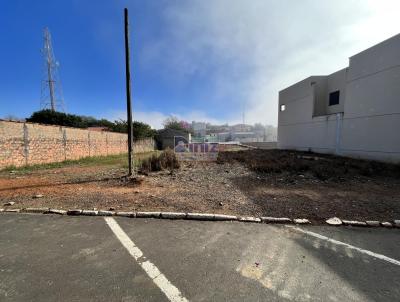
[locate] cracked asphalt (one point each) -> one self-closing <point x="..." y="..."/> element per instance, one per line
<point x="59" y="258"/>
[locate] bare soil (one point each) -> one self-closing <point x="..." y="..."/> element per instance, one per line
<point x="254" y="182"/>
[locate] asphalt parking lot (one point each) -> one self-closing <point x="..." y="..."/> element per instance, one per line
<point x="58" y="258"/>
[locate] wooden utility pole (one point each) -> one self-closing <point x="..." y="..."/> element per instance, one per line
<point x="128" y="96"/>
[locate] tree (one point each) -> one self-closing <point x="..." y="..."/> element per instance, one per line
<point x="140" y="130"/>
<point x="120" y="126"/>
<point x="173" y="122"/>
<point x="50" y="117"/>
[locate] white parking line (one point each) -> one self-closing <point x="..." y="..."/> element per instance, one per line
<point x="378" y="256"/>
<point x="172" y="293"/>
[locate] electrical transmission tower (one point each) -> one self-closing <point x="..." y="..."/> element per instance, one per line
<point x="51" y="96"/>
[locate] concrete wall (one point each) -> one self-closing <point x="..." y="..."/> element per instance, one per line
<point x="372" y="108"/>
<point x="365" y="122"/>
<point x="263" y="145"/>
<point x="336" y="81"/>
<point x="27" y="144"/>
<point x="297" y="128"/>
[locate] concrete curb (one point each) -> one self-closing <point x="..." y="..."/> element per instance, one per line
<point x="74" y="212"/>
<point x="173" y="215"/>
<point x="56" y="211"/>
<point x="202" y="216"/>
<point x="105" y="213"/>
<point x="372" y="223"/>
<point x="334" y="221"/>
<point x="148" y="214"/>
<point x="89" y="213"/>
<point x="276" y="220"/>
<point x="221" y="217"/>
<point x="126" y="214"/>
<point x="301" y="221"/>
<point x="35" y="210"/>
<point x="354" y="223"/>
<point x="249" y="219"/>
<point x="12" y="210"/>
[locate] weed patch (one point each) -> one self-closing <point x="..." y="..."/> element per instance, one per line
<point x="323" y="167"/>
<point x="157" y="162"/>
<point x="120" y="160"/>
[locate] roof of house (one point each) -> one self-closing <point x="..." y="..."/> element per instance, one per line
<point x="171" y="132"/>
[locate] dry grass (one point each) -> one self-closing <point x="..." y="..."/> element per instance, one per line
<point x="158" y="162"/>
<point x="323" y="167"/>
<point x="120" y="160"/>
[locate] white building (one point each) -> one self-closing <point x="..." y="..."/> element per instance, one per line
<point x="199" y="128"/>
<point x="352" y="112"/>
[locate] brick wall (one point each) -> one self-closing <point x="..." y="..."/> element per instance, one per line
<point x="27" y="143"/>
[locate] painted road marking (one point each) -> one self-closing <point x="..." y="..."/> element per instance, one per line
<point x="172" y="293"/>
<point x="378" y="256"/>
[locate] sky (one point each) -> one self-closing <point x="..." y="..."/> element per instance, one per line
<point x="203" y="60"/>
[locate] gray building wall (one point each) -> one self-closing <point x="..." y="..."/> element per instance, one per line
<point x="367" y="119"/>
<point x="165" y="138"/>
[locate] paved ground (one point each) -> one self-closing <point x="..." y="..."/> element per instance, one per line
<point x="55" y="258"/>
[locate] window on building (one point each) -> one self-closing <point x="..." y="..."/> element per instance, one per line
<point x="283" y="107"/>
<point x="334" y="98"/>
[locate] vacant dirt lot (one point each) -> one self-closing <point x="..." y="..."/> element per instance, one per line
<point x="254" y="182"/>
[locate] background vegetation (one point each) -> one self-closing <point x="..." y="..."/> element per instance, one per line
<point x="49" y="117"/>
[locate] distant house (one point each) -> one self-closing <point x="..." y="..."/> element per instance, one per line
<point x="218" y="128"/>
<point x="241" y="128"/>
<point x="246" y="137"/>
<point x="199" y="128"/>
<point x="353" y="112"/>
<point x="165" y="137"/>
<point x="224" y="136"/>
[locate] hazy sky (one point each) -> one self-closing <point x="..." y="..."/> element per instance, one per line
<point x="199" y="60"/>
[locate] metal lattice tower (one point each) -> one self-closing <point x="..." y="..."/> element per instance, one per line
<point x="51" y="96"/>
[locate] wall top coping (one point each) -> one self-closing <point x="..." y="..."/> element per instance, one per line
<point x="58" y="126"/>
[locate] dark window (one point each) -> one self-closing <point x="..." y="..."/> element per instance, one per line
<point x="334" y="98"/>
